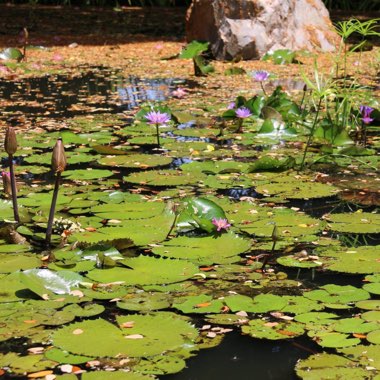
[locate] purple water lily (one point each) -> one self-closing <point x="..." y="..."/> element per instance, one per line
<point x="260" y="75"/>
<point x="366" y="112"/>
<point x="158" y="118"/>
<point x="243" y="112"/>
<point x="221" y="224"/>
<point x="231" y="106"/>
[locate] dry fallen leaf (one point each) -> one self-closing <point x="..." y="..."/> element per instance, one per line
<point x="36" y="350"/>
<point x="134" y="336"/>
<point x="66" y="368"/>
<point x="39" y="374"/>
<point x="127" y="324"/>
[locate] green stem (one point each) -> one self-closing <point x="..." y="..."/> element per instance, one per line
<point x="49" y="229"/>
<point x="158" y="136"/>
<point x="14" y="189"/>
<point x="309" y="140"/>
<point x="262" y="87"/>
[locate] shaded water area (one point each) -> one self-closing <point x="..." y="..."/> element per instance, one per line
<point x="99" y="91"/>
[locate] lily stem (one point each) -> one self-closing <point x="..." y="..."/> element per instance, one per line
<point x="309" y="140"/>
<point x="52" y="209"/>
<point x="158" y="136"/>
<point x="14" y="189"/>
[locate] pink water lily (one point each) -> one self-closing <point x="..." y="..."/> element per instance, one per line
<point x="158" y="118"/>
<point x="221" y="224"/>
<point x="179" y="92"/>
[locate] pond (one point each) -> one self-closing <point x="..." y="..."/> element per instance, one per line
<point x="184" y="243"/>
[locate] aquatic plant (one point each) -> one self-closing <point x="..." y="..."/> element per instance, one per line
<point x="58" y="164"/>
<point x="10" y="146"/>
<point x="261" y="76"/>
<point x="158" y="119"/>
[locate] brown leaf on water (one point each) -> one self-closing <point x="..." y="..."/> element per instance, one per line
<point x="360" y="336"/>
<point x="286" y="332"/>
<point x="39" y="374"/>
<point x="204" y="304"/>
<point x="128" y="324"/>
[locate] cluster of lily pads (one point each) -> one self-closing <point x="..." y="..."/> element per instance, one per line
<point x="161" y="230"/>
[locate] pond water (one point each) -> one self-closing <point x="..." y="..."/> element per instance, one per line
<point x="96" y="110"/>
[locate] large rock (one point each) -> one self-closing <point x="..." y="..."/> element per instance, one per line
<point x="250" y="28"/>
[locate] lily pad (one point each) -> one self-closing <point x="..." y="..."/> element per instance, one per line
<point x="144" y="270"/>
<point x="263" y="329"/>
<point x="205" y="250"/>
<point x="136" y="336"/>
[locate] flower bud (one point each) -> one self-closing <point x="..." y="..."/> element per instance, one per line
<point x="10" y="143"/>
<point x="58" y="160"/>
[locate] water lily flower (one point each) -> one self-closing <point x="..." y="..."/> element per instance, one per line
<point x="260" y="75"/>
<point x="179" y="92"/>
<point x="366" y="112"/>
<point x="243" y="112"/>
<point x="221" y="224"/>
<point x="158" y="118"/>
<point x="231" y="106"/>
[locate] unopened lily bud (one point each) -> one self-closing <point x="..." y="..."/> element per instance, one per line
<point x="275" y="234"/>
<point x="10" y="143"/>
<point x="6" y="182"/>
<point x="58" y="160"/>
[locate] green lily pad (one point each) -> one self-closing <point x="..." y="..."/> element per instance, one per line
<point x="140" y="337"/>
<point x="358" y="223"/>
<point x="144" y="270"/>
<point x="165" y="178"/>
<point x="202" y="304"/>
<point x="205" y="250"/>
<point x="64" y="357"/>
<point x="368" y="305"/>
<point x="329" y="366"/>
<point x="367" y="356"/>
<point x="86" y="174"/>
<point x="13" y="262"/>
<point x="363" y="259"/>
<point x="137" y="161"/>
<point x="374" y="336"/>
<point x="336" y="294"/>
<point x="263" y="329"/>
<point x="262" y="303"/>
<point x="144" y="302"/>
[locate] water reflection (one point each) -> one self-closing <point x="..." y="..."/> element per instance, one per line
<point x="94" y="90"/>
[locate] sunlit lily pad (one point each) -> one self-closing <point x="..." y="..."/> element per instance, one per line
<point x="86" y="174"/>
<point x="165" y="178"/>
<point x="358" y="223"/>
<point x="12" y="262"/>
<point x="144" y="270"/>
<point x="363" y="259"/>
<point x="263" y="329"/>
<point x="205" y="250"/>
<point x="136" y="336"/>
<point x="138" y="161"/>
<point x="367" y="356"/>
<point x="329" y="366"/>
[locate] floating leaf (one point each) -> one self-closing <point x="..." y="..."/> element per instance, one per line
<point x="144" y="270"/>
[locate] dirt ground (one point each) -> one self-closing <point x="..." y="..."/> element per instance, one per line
<point x="135" y="40"/>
